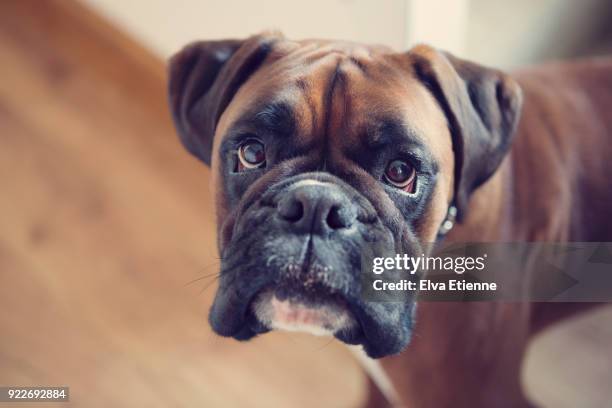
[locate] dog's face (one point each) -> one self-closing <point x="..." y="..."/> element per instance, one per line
<point x="320" y="150"/>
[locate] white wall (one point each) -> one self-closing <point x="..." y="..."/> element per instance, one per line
<point x="166" y="25"/>
<point x="495" y="32"/>
<point x="518" y="32"/>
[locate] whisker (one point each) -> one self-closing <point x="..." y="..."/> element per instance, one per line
<point x="209" y="284"/>
<point x="211" y="275"/>
<point x="215" y="264"/>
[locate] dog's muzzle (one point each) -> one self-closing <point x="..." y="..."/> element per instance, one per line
<point x="294" y="263"/>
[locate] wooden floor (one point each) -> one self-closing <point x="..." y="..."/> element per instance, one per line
<point x="104" y="221"/>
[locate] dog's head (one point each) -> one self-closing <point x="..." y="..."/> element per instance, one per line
<point x="319" y="149"/>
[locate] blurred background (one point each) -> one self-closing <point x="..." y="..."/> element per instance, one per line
<point x="501" y="33"/>
<point x="107" y="246"/>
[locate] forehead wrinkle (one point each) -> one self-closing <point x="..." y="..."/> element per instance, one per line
<point x="330" y="106"/>
<point x="357" y="62"/>
<point x="304" y="87"/>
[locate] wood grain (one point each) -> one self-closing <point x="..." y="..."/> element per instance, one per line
<point x="104" y="220"/>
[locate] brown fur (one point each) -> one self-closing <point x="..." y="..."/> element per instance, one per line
<point x="552" y="186"/>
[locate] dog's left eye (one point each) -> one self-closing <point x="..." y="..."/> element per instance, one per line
<point x="251" y="154"/>
<point x="401" y="174"/>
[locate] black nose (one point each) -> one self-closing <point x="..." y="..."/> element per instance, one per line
<point x="316" y="207"/>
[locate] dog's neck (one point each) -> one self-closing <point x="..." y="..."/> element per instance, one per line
<point x="487" y="210"/>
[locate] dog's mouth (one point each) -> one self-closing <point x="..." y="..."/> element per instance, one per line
<point x="331" y="305"/>
<point x="381" y="328"/>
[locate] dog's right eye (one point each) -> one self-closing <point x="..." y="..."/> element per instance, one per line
<point x="401" y="174"/>
<point x="251" y="155"/>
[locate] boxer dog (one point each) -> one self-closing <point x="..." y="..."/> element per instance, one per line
<point x="318" y="148"/>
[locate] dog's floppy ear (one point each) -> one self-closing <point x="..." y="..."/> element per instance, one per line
<point x="482" y="106"/>
<point x="203" y="78"/>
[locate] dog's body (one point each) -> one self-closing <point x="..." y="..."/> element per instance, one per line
<point x="551" y="185"/>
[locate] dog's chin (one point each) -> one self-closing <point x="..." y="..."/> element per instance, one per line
<point x="382" y="328"/>
<point x="332" y="315"/>
<point x="322" y="317"/>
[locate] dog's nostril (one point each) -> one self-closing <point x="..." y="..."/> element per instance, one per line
<point x="291" y="210"/>
<point x="339" y="217"/>
<point x="315" y="209"/>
